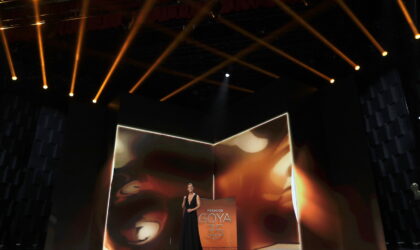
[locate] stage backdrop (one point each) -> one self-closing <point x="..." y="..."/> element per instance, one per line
<point x="245" y="183"/>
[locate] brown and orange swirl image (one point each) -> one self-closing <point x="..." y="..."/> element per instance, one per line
<point x="150" y="171"/>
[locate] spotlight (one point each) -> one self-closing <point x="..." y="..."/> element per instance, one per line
<point x="94" y="100"/>
<point x="417" y="36"/>
<point x="71" y="94"/>
<point x="227" y="75"/>
<point x="45" y="87"/>
<point x="357" y="67"/>
<point x="332" y="80"/>
<point x="384" y="53"/>
<point x="14" y="78"/>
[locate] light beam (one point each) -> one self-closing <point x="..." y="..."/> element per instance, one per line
<point x="314" y="32"/>
<point x="272" y="48"/>
<point x="178" y="39"/>
<point x="409" y="19"/>
<point x="282" y="30"/>
<point x="80" y="36"/>
<point x="38" y="26"/>
<point x="359" y="24"/>
<point x="7" y="52"/>
<point x="144" y="11"/>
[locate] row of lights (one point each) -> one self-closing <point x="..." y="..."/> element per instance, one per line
<point x="182" y="36"/>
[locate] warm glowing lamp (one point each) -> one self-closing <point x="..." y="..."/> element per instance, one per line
<point x="384" y="53"/>
<point x="357" y="67"/>
<point x="94" y="100"/>
<point x="45" y="87"/>
<point x="14" y="78"/>
<point x="332" y="80"/>
<point x="71" y="94"/>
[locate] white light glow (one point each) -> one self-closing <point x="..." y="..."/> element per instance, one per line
<point x="281" y="167"/>
<point x="249" y="143"/>
<point x="146" y="231"/>
<point x="227" y="75"/>
<point x="39" y="23"/>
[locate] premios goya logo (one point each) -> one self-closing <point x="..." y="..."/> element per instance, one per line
<point x="215" y="219"/>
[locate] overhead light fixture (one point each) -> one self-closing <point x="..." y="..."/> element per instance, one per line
<point x="94" y="100"/>
<point x="14" y="78"/>
<point x="332" y="80"/>
<point x="45" y="86"/>
<point x="408" y="19"/>
<point x="71" y="94"/>
<point x="227" y="75"/>
<point x="357" y="67"/>
<point x="384" y="53"/>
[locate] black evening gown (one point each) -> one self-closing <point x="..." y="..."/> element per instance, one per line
<point x="190" y="239"/>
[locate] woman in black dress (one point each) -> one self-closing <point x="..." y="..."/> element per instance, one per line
<point x="190" y="238"/>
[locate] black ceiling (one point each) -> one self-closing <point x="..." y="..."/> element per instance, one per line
<point x="102" y="44"/>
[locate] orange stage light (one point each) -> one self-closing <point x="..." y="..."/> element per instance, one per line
<point x="178" y="39"/>
<point x="409" y="19"/>
<point x="313" y="31"/>
<point x="80" y="35"/>
<point x="7" y="52"/>
<point x="141" y="18"/>
<point x="359" y="24"/>
<point x="38" y="25"/>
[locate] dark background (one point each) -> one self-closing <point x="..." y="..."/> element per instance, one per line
<point x="361" y="132"/>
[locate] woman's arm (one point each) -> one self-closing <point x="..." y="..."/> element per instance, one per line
<point x="198" y="205"/>
<point x="183" y="202"/>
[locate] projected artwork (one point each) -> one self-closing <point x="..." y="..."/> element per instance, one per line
<point x="244" y="181"/>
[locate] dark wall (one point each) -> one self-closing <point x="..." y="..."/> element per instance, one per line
<point x="165" y="117"/>
<point x="394" y="157"/>
<point x="87" y="142"/>
<point x="31" y="132"/>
